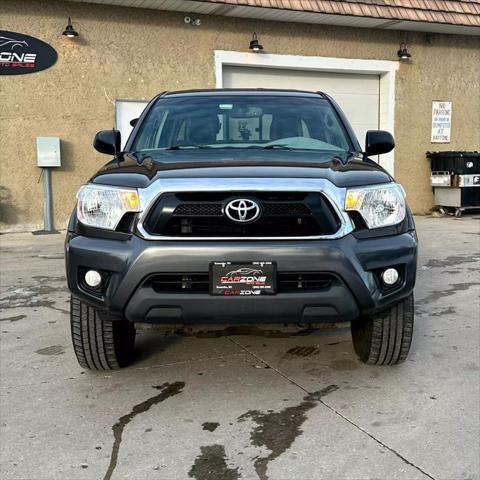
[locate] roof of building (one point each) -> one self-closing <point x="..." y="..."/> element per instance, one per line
<point x="456" y="12"/>
<point x="442" y="16"/>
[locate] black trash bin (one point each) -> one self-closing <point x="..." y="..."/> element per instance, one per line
<point x="455" y="179"/>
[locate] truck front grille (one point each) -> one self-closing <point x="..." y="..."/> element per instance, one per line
<point x="215" y="210"/>
<point x="179" y="282"/>
<point x="303" y="281"/>
<point x="283" y="214"/>
<point x="287" y="282"/>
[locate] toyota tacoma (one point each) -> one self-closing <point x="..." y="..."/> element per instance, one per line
<point x="246" y="207"/>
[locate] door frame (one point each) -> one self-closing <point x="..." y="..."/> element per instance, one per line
<point x="385" y="69"/>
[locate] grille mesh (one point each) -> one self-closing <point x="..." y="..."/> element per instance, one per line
<point x="215" y="209"/>
<point x="287" y="209"/>
<point x="198" y="210"/>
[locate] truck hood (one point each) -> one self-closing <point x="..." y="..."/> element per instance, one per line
<point x="139" y="170"/>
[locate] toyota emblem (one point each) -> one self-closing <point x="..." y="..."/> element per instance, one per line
<point x="242" y="210"/>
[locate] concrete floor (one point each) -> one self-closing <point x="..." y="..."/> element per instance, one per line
<point x="243" y="407"/>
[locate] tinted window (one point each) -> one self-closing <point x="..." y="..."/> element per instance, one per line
<point x="247" y="121"/>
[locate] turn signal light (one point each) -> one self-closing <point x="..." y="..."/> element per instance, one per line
<point x="131" y="200"/>
<point x="353" y="200"/>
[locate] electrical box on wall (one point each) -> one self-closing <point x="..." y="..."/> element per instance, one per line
<point x="48" y="152"/>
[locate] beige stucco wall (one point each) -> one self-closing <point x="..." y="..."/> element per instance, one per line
<point x="135" y="53"/>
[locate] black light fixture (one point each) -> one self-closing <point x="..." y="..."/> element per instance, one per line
<point x="403" y="53"/>
<point x="69" y="31"/>
<point x="254" y="45"/>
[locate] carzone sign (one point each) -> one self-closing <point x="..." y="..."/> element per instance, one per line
<point x="21" y="53"/>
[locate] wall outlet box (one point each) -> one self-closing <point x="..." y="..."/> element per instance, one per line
<point x="48" y="152"/>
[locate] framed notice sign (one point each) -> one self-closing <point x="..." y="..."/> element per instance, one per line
<point x="441" y="122"/>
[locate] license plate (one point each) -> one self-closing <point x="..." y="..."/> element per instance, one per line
<point x="248" y="279"/>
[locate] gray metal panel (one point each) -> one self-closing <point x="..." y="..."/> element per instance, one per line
<point x="448" y="197"/>
<point x="48" y="152"/>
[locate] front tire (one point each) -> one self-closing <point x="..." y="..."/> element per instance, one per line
<point x="385" y="338"/>
<point x="100" y="341"/>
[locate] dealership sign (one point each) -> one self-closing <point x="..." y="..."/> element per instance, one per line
<point x="21" y="53"/>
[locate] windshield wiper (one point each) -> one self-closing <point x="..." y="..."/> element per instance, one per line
<point x="277" y="146"/>
<point x="186" y="147"/>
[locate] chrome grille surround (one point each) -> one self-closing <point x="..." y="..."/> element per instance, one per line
<point x="335" y="195"/>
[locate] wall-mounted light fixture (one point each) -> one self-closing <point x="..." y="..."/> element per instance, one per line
<point x="403" y="53"/>
<point x="69" y="31"/>
<point x="254" y="45"/>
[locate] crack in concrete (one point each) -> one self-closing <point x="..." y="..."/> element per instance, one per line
<point x="193" y="360"/>
<point x="384" y="445"/>
<point x="15" y="318"/>
<point x="336" y="412"/>
<point x="58" y="309"/>
<point x="167" y="390"/>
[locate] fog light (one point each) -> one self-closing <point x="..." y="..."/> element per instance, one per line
<point x="93" y="278"/>
<point x="390" y="276"/>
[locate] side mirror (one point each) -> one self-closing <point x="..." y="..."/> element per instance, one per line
<point x="107" y="141"/>
<point x="378" y="142"/>
<point x="133" y="121"/>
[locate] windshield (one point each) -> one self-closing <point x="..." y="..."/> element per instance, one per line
<point x="242" y="121"/>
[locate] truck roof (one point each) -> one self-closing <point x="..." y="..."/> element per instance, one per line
<point x="242" y="91"/>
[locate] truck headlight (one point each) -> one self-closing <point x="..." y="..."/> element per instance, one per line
<point x="103" y="207"/>
<point x="379" y="205"/>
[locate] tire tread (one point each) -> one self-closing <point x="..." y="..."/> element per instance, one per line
<point x="100" y="343"/>
<point x="386" y="338"/>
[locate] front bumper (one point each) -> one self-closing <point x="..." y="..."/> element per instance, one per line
<point x="353" y="261"/>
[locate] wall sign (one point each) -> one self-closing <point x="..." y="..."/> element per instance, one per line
<point x="21" y="53"/>
<point x="441" y="122"/>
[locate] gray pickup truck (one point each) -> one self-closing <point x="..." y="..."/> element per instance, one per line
<point x="241" y="207"/>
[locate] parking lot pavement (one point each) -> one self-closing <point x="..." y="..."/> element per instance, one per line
<point x="243" y="407"/>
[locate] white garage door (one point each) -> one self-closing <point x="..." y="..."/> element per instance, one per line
<point x="357" y="94"/>
<point x="125" y="111"/>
